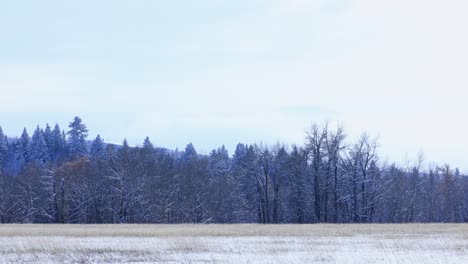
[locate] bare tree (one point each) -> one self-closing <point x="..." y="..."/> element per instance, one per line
<point x="316" y="138"/>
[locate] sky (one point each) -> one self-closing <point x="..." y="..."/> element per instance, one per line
<point x="222" y="72"/>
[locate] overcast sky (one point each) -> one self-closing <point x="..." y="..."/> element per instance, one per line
<point x="222" y="72"/>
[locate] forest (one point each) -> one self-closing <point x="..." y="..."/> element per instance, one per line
<point x="58" y="176"/>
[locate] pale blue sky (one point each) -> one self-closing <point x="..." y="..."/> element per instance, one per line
<point x="222" y="72"/>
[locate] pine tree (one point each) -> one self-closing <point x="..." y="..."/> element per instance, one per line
<point x="193" y="184"/>
<point x="3" y="149"/>
<point x="38" y="149"/>
<point x="189" y="154"/>
<point x="22" y="151"/>
<point x="123" y="153"/>
<point x="148" y="155"/>
<point x="220" y="186"/>
<point x="147" y="144"/>
<point x="77" y="138"/>
<point x="48" y="137"/>
<point x="98" y="150"/>
<point x="63" y="139"/>
<point x="56" y="143"/>
<point x="244" y="172"/>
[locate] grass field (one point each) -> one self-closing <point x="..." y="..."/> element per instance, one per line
<point x="430" y="243"/>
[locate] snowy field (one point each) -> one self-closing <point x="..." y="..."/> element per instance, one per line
<point x="432" y="243"/>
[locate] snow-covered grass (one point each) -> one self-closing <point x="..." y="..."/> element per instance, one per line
<point x="431" y="243"/>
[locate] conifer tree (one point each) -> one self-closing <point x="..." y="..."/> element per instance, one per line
<point x="77" y="138"/>
<point x="48" y="137"/>
<point x="3" y="149"/>
<point x="98" y="150"/>
<point x="147" y="144"/>
<point x="39" y="151"/>
<point x="22" y="151"/>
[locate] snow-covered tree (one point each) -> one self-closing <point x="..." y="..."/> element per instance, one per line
<point x="280" y="188"/>
<point x="192" y="178"/>
<point x="38" y="149"/>
<point x="3" y="149"/>
<point x="56" y="143"/>
<point x="23" y="149"/>
<point x="361" y="178"/>
<point x="4" y="195"/>
<point x="100" y="204"/>
<point x="46" y="204"/>
<point x="77" y="138"/>
<point x="148" y="145"/>
<point x="316" y="137"/>
<point x="326" y="180"/>
<point x="300" y="187"/>
<point x="334" y="146"/>
<point x="220" y="197"/>
<point x="98" y="150"/>
<point x="48" y="137"/>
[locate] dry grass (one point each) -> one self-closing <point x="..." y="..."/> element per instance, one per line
<point x="415" y="243"/>
<point x="148" y="230"/>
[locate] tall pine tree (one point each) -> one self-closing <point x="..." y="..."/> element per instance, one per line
<point x="48" y="137"/>
<point x="3" y="149"/>
<point x="77" y="138"/>
<point x="22" y="151"/>
<point x="98" y="150"/>
<point x="39" y="150"/>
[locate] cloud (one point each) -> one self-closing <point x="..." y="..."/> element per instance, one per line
<point x="394" y="68"/>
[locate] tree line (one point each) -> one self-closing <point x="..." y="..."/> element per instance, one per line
<point x="60" y="177"/>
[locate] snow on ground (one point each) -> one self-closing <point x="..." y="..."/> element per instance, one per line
<point x="238" y="244"/>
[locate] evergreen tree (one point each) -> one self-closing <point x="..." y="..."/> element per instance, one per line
<point x="124" y="184"/>
<point x="98" y="150"/>
<point x="48" y="137"/>
<point x="148" y="156"/>
<point x="189" y="154"/>
<point x="193" y="184"/>
<point x="77" y="138"/>
<point x="123" y="153"/>
<point x="38" y="148"/>
<point x="65" y="143"/>
<point x="147" y="144"/>
<point x="56" y="143"/>
<point x="3" y="149"/>
<point x="244" y="171"/>
<point x="22" y="151"/>
<point x="220" y="197"/>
